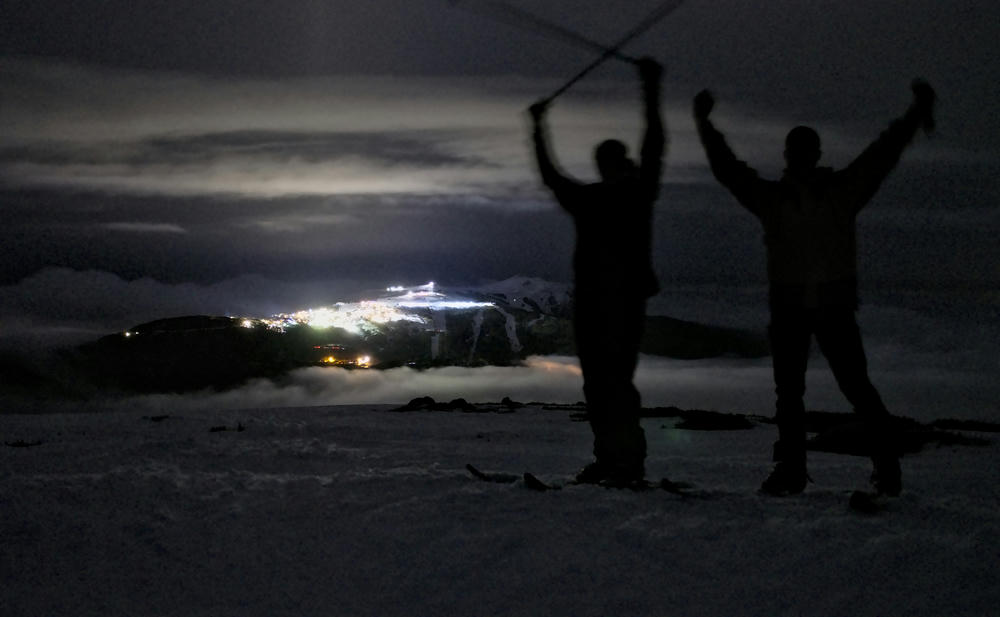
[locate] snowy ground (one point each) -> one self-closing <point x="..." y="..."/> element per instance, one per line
<point x="360" y="511"/>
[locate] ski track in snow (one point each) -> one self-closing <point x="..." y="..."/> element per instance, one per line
<point x="477" y="326"/>
<point x="359" y="511"/>
<point x="510" y="325"/>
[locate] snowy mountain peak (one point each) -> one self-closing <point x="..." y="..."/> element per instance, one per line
<point x="530" y="294"/>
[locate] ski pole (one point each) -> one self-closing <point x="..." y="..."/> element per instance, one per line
<point x="658" y="14"/>
<point x="520" y="18"/>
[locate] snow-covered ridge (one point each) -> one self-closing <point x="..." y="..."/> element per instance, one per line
<point x="403" y="303"/>
<point x="498" y="324"/>
<point x="397" y="303"/>
<point x="532" y="294"/>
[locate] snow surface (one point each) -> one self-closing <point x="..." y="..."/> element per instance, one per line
<point x="362" y="511"/>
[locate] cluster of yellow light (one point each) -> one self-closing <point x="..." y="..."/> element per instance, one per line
<point x="360" y="362"/>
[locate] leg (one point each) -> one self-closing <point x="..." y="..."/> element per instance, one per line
<point x="608" y="344"/>
<point x="629" y="440"/>
<point x="790" y="332"/>
<point x="840" y="341"/>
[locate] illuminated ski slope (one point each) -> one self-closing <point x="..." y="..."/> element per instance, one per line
<point x="367" y="315"/>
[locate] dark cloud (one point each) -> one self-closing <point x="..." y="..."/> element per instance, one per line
<point x="91" y="303"/>
<point x="274" y="146"/>
<point x="398" y="237"/>
<point x="224" y="156"/>
<point x="146" y="228"/>
<point x="272" y="37"/>
<point x="845" y="57"/>
<point x="194" y="164"/>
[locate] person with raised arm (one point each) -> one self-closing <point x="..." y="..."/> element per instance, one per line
<point x="613" y="277"/>
<point x="808" y="217"/>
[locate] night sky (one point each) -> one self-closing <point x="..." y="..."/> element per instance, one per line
<point x="245" y="157"/>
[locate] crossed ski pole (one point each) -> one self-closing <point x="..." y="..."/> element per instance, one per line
<point x="518" y="17"/>
<point x="525" y="20"/>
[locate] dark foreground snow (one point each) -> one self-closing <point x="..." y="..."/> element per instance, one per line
<point x="361" y="511"/>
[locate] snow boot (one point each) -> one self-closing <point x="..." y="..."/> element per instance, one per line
<point x="612" y="475"/>
<point x="619" y="452"/>
<point x="789" y="475"/>
<point x="785" y="479"/>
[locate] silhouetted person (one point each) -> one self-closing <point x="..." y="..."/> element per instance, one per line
<point x="809" y="229"/>
<point x="613" y="277"/>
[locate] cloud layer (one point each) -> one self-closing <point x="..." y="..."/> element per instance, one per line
<point x="724" y="385"/>
<point x="72" y="127"/>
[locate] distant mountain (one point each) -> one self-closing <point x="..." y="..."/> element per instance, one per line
<point x="496" y="324"/>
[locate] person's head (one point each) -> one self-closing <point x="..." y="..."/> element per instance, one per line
<point x="612" y="160"/>
<point x="802" y="149"/>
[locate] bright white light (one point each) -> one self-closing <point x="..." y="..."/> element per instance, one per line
<point x="444" y="304"/>
<point x="366" y="315"/>
<point x="354" y="317"/>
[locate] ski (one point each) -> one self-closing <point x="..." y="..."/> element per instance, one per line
<point x="677" y="488"/>
<point x="532" y="482"/>
<point x="501" y="478"/>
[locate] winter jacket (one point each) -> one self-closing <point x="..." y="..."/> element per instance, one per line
<point x="613" y="219"/>
<point x="809" y="219"/>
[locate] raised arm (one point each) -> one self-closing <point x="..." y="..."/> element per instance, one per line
<point x="741" y="179"/>
<point x="654" y="139"/>
<point x="864" y="175"/>
<point x="560" y="184"/>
